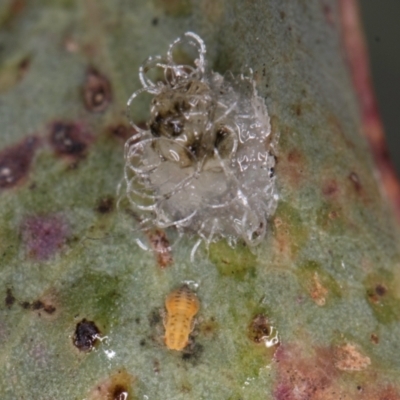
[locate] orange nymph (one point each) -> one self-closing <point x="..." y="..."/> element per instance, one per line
<point x="182" y="305"/>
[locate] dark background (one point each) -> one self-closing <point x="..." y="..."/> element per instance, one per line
<point x="381" y="19"/>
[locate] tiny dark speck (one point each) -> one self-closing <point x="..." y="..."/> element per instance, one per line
<point x="380" y="290"/>
<point x="37" y="305"/>
<point x="68" y="138"/>
<point x="193" y="353"/>
<point x="15" y="162"/>
<point x="10" y="299"/>
<point x="49" y="309"/>
<point x="86" y="334"/>
<point x="26" y="305"/>
<point x="154" y="318"/>
<point x="154" y="21"/>
<point x="119" y="393"/>
<point x="271" y="172"/>
<point x="97" y="91"/>
<point x="105" y="205"/>
<point x="259" y="328"/>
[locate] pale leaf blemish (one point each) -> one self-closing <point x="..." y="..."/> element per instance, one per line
<point x="349" y="358"/>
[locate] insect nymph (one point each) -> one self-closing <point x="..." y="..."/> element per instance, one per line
<point x="182" y="305"/>
<point x="205" y="162"/>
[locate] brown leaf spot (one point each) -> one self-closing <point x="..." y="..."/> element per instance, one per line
<point x="26" y="305"/>
<point x="300" y="378"/>
<point x="161" y="247"/>
<point x="69" y="139"/>
<point x="115" y="387"/>
<point x="96" y="91"/>
<point x="372" y="296"/>
<point x="278" y="222"/>
<point x="43" y="235"/>
<point x="121" y="131"/>
<point x="330" y="188"/>
<point x="14" y="10"/>
<point x="313" y="375"/>
<point x="259" y="328"/>
<point x="297" y="109"/>
<point x="23" y="67"/>
<point x="317" y="291"/>
<point x="380" y="290"/>
<point x="15" y="162"/>
<point x="374" y="338"/>
<point x="292" y="169"/>
<point x="295" y="157"/>
<point x="119" y="392"/>
<point x="333" y="214"/>
<point x="208" y="327"/>
<point x="105" y="205"/>
<point x="43" y="306"/>
<point x="282" y="237"/>
<point x="39" y="305"/>
<point x="348" y="358"/>
<point x="340" y="135"/>
<point x="10" y="299"/>
<point x="86" y="334"/>
<point x="289" y="232"/>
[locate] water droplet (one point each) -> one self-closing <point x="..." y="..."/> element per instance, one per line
<point x="193" y="285"/>
<point x="110" y="354"/>
<point x="272" y="339"/>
